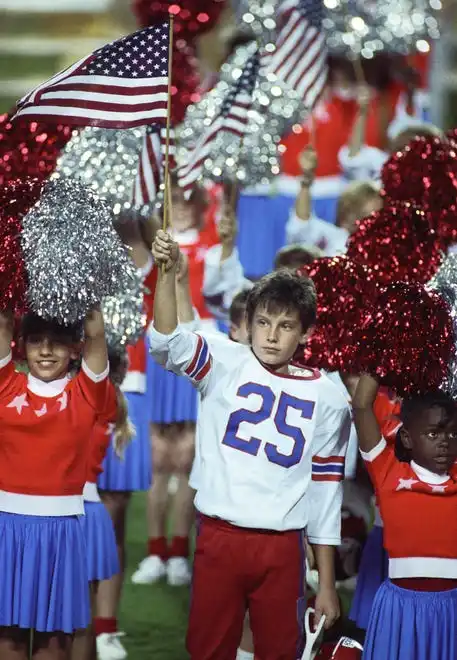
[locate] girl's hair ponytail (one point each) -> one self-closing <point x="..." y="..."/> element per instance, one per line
<point x="124" y="430"/>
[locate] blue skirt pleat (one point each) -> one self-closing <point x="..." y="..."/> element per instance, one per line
<point x="262" y="223"/>
<point x="171" y="398"/>
<point x="132" y="472"/>
<point x="374" y="565"/>
<point x="412" y="625"/>
<point x="101" y="550"/>
<point x="44" y="582"/>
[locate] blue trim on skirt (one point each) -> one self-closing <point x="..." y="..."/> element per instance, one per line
<point x="43" y="568"/>
<point x="374" y="569"/>
<point x="132" y="472"/>
<point x="412" y="625"/>
<point x="101" y="550"/>
<point x="262" y="222"/>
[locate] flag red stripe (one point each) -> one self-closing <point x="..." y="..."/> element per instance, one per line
<point x="146" y="87"/>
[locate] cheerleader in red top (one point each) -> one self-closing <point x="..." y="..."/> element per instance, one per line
<point x="173" y="406"/>
<point x="47" y="419"/>
<point x="373" y="568"/>
<point x="414" y="614"/>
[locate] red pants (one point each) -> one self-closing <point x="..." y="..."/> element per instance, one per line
<point x="235" y="570"/>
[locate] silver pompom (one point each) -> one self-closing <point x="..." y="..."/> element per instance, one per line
<point x="73" y="255"/>
<point x="274" y="109"/>
<point x="124" y="316"/>
<point x="105" y="160"/>
<point x="368" y="27"/>
<point x="444" y="282"/>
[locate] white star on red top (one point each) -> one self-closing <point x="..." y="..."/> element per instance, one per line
<point x="406" y="484"/>
<point x="110" y="428"/>
<point x="43" y="410"/>
<point x="19" y="402"/>
<point x="63" y="400"/>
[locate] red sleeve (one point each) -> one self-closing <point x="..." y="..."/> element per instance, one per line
<point x="101" y="437"/>
<point x="387" y="411"/>
<point x="10" y="379"/>
<point x="380" y="462"/>
<point x="98" y="391"/>
<point x="150" y="282"/>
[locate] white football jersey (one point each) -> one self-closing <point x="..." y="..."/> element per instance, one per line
<point x="271" y="446"/>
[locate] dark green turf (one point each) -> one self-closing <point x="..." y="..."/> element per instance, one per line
<point x="154" y="617"/>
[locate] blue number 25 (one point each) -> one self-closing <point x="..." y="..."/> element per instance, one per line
<point x="265" y="411"/>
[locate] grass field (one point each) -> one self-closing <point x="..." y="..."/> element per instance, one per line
<point x="154" y="618"/>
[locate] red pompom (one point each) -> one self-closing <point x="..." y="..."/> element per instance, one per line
<point x="407" y="339"/>
<point x="16" y="198"/>
<point x="343" y="289"/>
<point x="398" y="243"/>
<point x="192" y="17"/>
<point x="425" y="173"/>
<point x="30" y="150"/>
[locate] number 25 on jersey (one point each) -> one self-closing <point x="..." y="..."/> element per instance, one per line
<point x="268" y="409"/>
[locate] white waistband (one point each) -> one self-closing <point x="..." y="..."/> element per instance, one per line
<point x="134" y="381"/>
<point x="423" y="567"/>
<point x="41" y="505"/>
<point x="90" y="492"/>
<point x="323" y="186"/>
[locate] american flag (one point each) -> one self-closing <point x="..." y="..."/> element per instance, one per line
<point x="150" y="166"/>
<point x="232" y="118"/>
<point x="300" y="57"/>
<point x="121" y="85"/>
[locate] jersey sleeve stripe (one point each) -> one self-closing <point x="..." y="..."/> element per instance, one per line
<point x="325" y="460"/>
<point x="327" y="477"/>
<point x="325" y="469"/>
<point x="201" y="362"/>
<point x="195" y="357"/>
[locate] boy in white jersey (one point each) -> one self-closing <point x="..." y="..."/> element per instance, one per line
<point x="272" y="440"/>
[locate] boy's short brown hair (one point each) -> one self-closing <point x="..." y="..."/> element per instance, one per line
<point x="354" y="196"/>
<point x="295" y="256"/>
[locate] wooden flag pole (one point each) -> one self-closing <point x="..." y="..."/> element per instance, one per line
<point x="166" y="196"/>
<point x="358" y="70"/>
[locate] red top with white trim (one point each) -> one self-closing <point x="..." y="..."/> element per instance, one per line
<point x="135" y="380"/>
<point x="419" y="511"/>
<point x="45" y="438"/>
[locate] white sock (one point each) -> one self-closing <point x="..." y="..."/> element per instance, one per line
<point x="244" y="655"/>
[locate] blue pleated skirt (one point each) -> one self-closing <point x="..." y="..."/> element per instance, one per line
<point x="171" y="398"/>
<point x="412" y="625"/>
<point x="43" y="568"/>
<point x="132" y="472"/>
<point x="374" y="566"/>
<point x="262" y="223"/>
<point x="101" y="550"/>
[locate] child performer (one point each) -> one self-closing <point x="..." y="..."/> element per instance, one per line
<point x="47" y="421"/>
<point x="263" y="425"/>
<point x="358" y="200"/>
<point x="414" y="614"/>
<point x="173" y="406"/>
<point x="134" y="472"/>
<point x="359" y="161"/>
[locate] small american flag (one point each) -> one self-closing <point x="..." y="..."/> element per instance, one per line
<point x="233" y="118"/>
<point x="300" y="58"/>
<point x="150" y="167"/>
<point x="121" y="85"/>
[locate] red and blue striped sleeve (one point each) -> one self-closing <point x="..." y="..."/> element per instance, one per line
<point x="330" y="468"/>
<point x="200" y="364"/>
